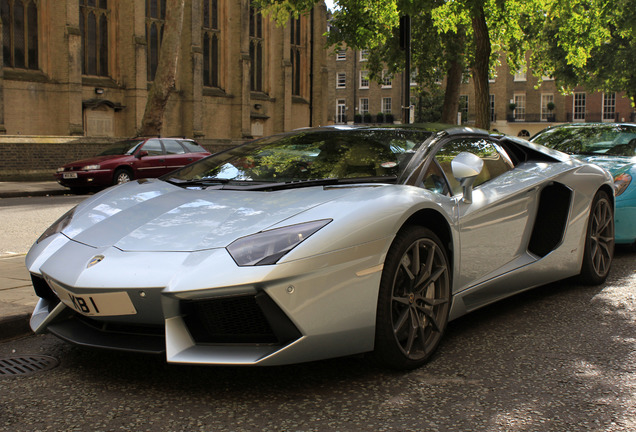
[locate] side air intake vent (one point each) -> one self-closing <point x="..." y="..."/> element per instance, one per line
<point x="552" y="217"/>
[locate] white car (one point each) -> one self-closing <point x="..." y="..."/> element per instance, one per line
<point x="321" y="243"/>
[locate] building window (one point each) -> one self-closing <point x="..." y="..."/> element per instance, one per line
<point x="341" y="111"/>
<point x="547" y="102"/>
<point x="579" y="106"/>
<point x="94" y="30"/>
<point x="364" y="55"/>
<point x="386" y="105"/>
<point x="364" y="105"/>
<point x="387" y="79"/>
<point x="466" y="76"/>
<point x="341" y="55"/>
<point x="463" y="108"/>
<point x="20" y="33"/>
<point x="493" y="116"/>
<point x="413" y="78"/>
<point x="520" y="107"/>
<point x="295" y="54"/>
<point x="609" y="107"/>
<point x="211" y="37"/>
<point x="256" y="49"/>
<point x="520" y="75"/>
<point x="341" y="80"/>
<point x="364" y="79"/>
<point x="155" y="19"/>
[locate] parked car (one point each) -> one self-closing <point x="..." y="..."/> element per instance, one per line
<point x="321" y="243"/>
<point x="612" y="146"/>
<point x="130" y="159"/>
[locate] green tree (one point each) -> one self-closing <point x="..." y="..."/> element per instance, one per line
<point x="464" y="33"/>
<point x="586" y="42"/>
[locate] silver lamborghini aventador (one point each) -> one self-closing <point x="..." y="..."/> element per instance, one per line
<point x="321" y="243"/>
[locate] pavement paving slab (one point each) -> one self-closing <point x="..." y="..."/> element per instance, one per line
<point x="17" y="298"/>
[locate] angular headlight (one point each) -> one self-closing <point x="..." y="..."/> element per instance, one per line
<point x="267" y="247"/>
<point x="621" y="182"/>
<point x="90" y="167"/>
<point x="58" y="225"/>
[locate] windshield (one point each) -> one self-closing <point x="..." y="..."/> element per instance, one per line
<point x="311" y="155"/>
<point x="611" y="140"/>
<point x="126" y="147"/>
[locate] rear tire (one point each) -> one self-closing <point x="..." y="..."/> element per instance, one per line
<point x="414" y="299"/>
<point x="599" y="241"/>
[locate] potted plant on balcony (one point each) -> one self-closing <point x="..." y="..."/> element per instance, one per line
<point x="550" y="106"/>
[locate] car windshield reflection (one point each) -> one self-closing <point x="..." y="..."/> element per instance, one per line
<point x="311" y="155"/>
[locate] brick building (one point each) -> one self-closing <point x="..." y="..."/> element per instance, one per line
<point x="520" y="106"/>
<point x="536" y="107"/>
<point x="354" y="97"/>
<point x="83" y="68"/>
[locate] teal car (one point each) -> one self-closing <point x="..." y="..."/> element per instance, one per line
<point x="611" y="146"/>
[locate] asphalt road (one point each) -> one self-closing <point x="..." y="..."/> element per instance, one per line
<point x="557" y="358"/>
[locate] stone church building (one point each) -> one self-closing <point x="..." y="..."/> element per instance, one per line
<point x="83" y="68"/>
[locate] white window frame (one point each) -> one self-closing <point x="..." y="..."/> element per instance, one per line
<point x="341" y="80"/>
<point x="520" y="108"/>
<point x="520" y="75"/>
<point x="341" y="111"/>
<point x="364" y="55"/>
<point x="387" y="80"/>
<point x="609" y="107"/>
<point x="387" y="105"/>
<point x="364" y="79"/>
<point x="341" y="55"/>
<point x="578" y="106"/>
<point x="363" y="106"/>
<point x="546" y="98"/>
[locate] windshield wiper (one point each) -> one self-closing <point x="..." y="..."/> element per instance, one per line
<point x="197" y="182"/>
<point x="295" y="184"/>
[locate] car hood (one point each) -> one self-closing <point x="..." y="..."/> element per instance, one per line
<point x="95" y="160"/>
<point x="614" y="164"/>
<point x="153" y="215"/>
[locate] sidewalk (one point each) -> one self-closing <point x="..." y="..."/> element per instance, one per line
<point x="17" y="298"/>
<point x="24" y="189"/>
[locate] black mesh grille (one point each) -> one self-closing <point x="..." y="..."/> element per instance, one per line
<point x="227" y="320"/>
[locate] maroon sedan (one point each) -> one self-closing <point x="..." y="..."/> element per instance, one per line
<point x="130" y="159"/>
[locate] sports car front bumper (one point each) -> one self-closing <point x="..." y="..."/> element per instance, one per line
<point x="200" y="307"/>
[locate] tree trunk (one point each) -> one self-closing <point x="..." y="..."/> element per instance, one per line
<point x="451" y="94"/>
<point x="481" y="67"/>
<point x="165" y="78"/>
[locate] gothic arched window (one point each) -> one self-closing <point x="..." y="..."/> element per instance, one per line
<point x="94" y="15"/>
<point x="211" y="43"/>
<point x="155" y="19"/>
<point x="20" y="33"/>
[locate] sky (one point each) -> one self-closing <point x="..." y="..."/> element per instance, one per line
<point x="329" y="4"/>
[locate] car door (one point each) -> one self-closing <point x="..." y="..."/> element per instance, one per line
<point x="495" y="226"/>
<point x="176" y="155"/>
<point x="150" y="160"/>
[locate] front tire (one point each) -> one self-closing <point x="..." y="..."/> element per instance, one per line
<point x="599" y="241"/>
<point x="414" y="299"/>
<point x="122" y="176"/>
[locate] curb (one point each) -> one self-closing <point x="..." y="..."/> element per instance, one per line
<point x="14" y="326"/>
<point x="18" y="194"/>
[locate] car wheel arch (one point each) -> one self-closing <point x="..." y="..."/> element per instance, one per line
<point x="436" y="222"/>
<point x="121" y="168"/>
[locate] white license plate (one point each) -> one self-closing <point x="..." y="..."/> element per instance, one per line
<point x="69" y="175"/>
<point x="104" y="304"/>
